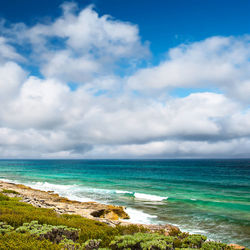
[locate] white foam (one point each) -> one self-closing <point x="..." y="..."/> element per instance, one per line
<point x="122" y="192"/>
<point x="186" y="228"/>
<point x="149" y="197"/>
<point x="69" y="191"/>
<point x="137" y="216"/>
<point x="10" y="181"/>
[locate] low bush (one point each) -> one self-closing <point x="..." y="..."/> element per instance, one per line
<point x="193" y="241"/>
<point x="142" y="241"/>
<point x="211" y="245"/>
<point x="9" y="191"/>
<point x="54" y="234"/>
<point x="131" y="229"/>
<point x="149" y="241"/>
<point x="92" y="244"/>
<point x="36" y="226"/>
<point x="4" y="197"/>
<point x="4" y="228"/>
<point x="16" y="213"/>
<point x="17" y="241"/>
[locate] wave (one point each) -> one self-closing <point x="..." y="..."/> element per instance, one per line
<point x="149" y="197"/>
<point x="72" y="192"/>
<point x="9" y="181"/>
<point x="75" y="191"/>
<point x="69" y="191"/>
<point x="137" y="216"/>
<point x="142" y="196"/>
<point x="122" y="192"/>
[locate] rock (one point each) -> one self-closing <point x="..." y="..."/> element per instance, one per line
<point x="120" y="211"/>
<point x="111" y="213"/>
<point x="235" y="246"/>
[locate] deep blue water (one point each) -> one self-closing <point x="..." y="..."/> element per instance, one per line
<point x="201" y="196"/>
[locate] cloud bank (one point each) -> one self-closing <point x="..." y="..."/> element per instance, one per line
<point x="78" y="87"/>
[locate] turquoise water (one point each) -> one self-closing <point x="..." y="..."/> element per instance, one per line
<point x="211" y="197"/>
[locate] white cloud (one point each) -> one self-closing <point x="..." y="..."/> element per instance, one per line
<point x="217" y="62"/>
<point x="41" y="116"/>
<point x="62" y="65"/>
<point x="7" y="52"/>
<point x="173" y="149"/>
<point x="79" y="46"/>
<point x="87" y="31"/>
<point x="40" y="104"/>
<point x="11" y="77"/>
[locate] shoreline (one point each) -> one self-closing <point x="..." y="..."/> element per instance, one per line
<point x="109" y="214"/>
<point x="133" y="213"/>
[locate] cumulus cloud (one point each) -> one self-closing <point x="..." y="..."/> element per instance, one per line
<point x="8" y="52"/>
<point x="79" y="46"/>
<point x="92" y="98"/>
<point x="217" y="62"/>
<point x="11" y="78"/>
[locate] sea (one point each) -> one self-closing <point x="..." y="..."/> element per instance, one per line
<point x="209" y="197"/>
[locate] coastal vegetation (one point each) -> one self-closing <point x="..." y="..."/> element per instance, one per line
<point x="9" y="191"/>
<point x="23" y="226"/>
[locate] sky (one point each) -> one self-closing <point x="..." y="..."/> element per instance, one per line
<point x="92" y="79"/>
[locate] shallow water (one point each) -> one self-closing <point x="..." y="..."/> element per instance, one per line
<point x="211" y="197"/>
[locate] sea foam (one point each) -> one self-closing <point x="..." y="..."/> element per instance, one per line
<point x="142" y="196"/>
<point x="137" y="216"/>
<point x="69" y="191"/>
<point x="149" y="197"/>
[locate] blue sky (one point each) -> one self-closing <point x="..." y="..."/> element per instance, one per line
<point x="124" y="79"/>
<point x="164" y="23"/>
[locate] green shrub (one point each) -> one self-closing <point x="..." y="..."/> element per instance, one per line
<point x="131" y="229"/>
<point x="194" y="241"/>
<point x="142" y="241"/>
<point x="16" y="213"/>
<point x="4" y="197"/>
<point x="4" y="228"/>
<point x="54" y="234"/>
<point x="174" y="232"/>
<point x="211" y="245"/>
<point x="177" y="243"/>
<point x="9" y="191"/>
<point x="88" y="245"/>
<point x="66" y="229"/>
<point x="92" y="244"/>
<point x="70" y="244"/>
<point x="17" y="241"/>
<point x="183" y="235"/>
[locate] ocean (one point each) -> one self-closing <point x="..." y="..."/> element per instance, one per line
<point x="210" y="197"/>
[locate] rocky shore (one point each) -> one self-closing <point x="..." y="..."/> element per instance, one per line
<point x="109" y="214"/>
